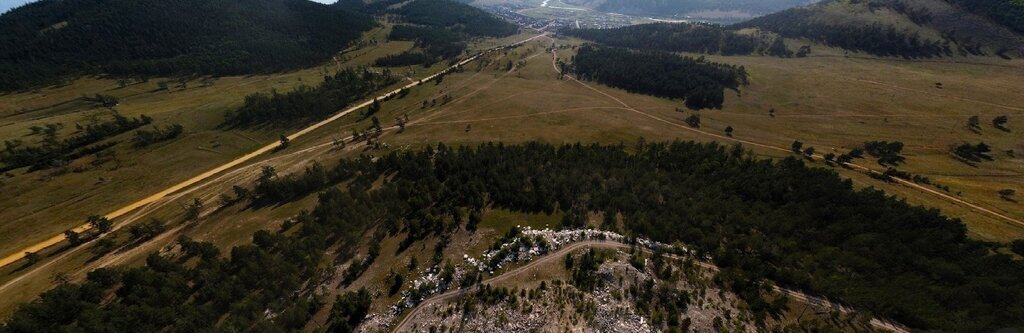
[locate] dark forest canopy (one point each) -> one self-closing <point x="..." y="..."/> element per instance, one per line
<point x="674" y="37"/>
<point x="436" y="43"/>
<point x="760" y="220"/>
<point x="699" y="82"/>
<point x="56" y="152"/>
<point x="306" y="103"/>
<point x="456" y="16"/>
<point x="440" y="28"/>
<point x="672" y="8"/>
<point x="407" y="58"/>
<point x="47" y="41"/>
<point x="874" y="38"/>
<point x="1009" y="13"/>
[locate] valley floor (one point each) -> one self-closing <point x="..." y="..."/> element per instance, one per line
<point x="828" y="101"/>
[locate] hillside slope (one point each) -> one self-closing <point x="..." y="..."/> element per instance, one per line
<point x="43" y="42"/>
<point x="908" y="28"/>
<point x="682" y="7"/>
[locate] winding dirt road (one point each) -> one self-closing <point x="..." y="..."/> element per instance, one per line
<point x="509" y="274"/>
<point x="548" y="258"/>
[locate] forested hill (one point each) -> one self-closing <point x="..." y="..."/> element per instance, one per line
<point x="1009" y="13"/>
<point x="761" y="221"/>
<point x="905" y="28"/>
<point x="440" y="28"/>
<point x="44" y="42"/>
<point x="678" y="7"/>
<point x="456" y="16"/>
<point x="452" y="15"/>
<point x="675" y="37"/>
<point x="699" y="82"/>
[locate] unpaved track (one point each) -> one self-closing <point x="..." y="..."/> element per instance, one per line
<point x="947" y="197"/>
<point x="548" y="258"/>
<point x="509" y="274"/>
<point x="57" y="239"/>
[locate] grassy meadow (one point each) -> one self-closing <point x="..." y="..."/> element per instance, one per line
<point x="828" y="101"/>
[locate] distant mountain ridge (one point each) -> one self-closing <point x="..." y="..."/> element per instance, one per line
<point x="46" y="41"/>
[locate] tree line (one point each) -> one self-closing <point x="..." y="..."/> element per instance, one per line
<point x="673" y="8"/>
<point x="407" y="58"/>
<point x="759" y="221"/>
<point x="439" y="28"/>
<point x="457" y="16"/>
<point x="145" y="138"/>
<point x="436" y="43"/>
<point x="1009" y="13"/>
<point x="53" y="150"/>
<point x="675" y="37"/>
<point x="306" y="103"/>
<point x="700" y="83"/>
<point x="876" y="39"/>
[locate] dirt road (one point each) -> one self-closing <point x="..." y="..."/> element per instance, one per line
<point x="545" y="259"/>
<point x="548" y="258"/>
<point x="57" y="239"/>
<point x="970" y="205"/>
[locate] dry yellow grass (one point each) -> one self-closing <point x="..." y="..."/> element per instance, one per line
<point x="826" y="102"/>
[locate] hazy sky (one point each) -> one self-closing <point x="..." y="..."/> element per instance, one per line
<point x="8" y="4"/>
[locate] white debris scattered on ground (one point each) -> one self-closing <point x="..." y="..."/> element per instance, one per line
<point x="611" y="307"/>
<point x="553" y="311"/>
<point x="528" y="244"/>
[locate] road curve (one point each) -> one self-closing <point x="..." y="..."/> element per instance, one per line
<point x="59" y="238"/>
<point x="547" y="258"/>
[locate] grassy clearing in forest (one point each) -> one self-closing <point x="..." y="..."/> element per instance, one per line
<point x="826" y="101"/>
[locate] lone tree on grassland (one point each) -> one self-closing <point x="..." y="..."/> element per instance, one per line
<point x="843" y="159"/>
<point x="1000" y="122"/>
<point x="32" y="258"/>
<point x="373" y="108"/>
<point x="100" y="223"/>
<point x="73" y="237"/>
<point x="797" y="146"/>
<point x="194" y="210"/>
<point x="693" y="121"/>
<point x="809" y="152"/>
<point x="974" y="123"/>
<point x="728" y="131"/>
<point x="1007" y="194"/>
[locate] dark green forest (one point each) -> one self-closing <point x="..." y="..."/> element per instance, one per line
<point x="407" y="58"/>
<point x="760" y="220"/>
<point x="309" y="103"/>
<point x="672" y="8"/>
<point x="673" y="37"/>
<point x="48" y="41"/>
<point x="440" y="29"/>
<point x="699" y="82"/>
<point x="1009" y="13"/>
<point x="874" y="39"/>
<point x="436" y="43"/>
<point x="52" y="151"/>
<point x="456" y="16"/>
